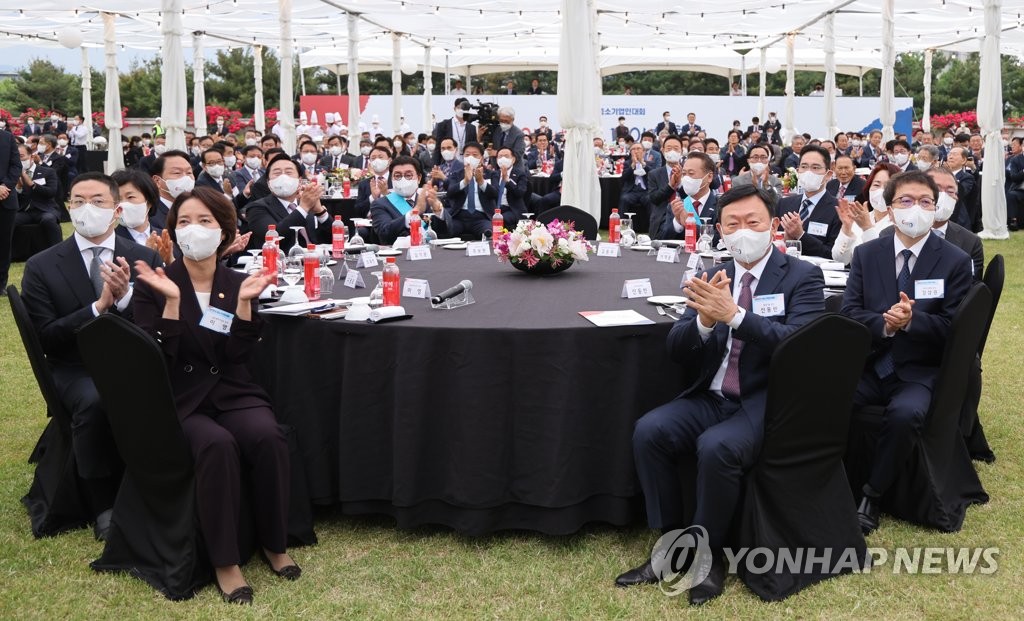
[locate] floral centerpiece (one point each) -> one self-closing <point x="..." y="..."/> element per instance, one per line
<point x="542" y="249"/>
<point x="789" y="179"/>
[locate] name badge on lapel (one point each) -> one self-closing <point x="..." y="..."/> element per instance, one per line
<point x="773" y="305"/>
<point x="929" y="289"/>
<point x="217" y="320"/>
<point x="818" y="229"/>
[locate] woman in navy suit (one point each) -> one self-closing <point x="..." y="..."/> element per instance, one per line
<point x="204" y="317"/>
<point x="139" y="198"/>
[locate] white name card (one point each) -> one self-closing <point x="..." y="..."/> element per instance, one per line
<point x="668" y="254"/>
<point x="354" y="280"/>
<point x="608" y="249"/>
<point x="367" y="259"/>
<point x="416" y="288"/>
<point x="694" y="261"/>
<point x="637" y="288"/>
<point x="418" y="253"/>
<point x="687" y="275"/>
<point x="478" y="249"/>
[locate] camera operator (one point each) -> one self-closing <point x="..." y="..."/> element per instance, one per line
<point x="505" y="135"/>
<point x="459" y="128"/>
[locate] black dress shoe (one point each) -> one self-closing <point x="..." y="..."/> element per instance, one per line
<point x="242" y="595"/>
<point x="288" y="572"/>
<point x="867" y="515"/>
<point x="102" y="525"/>
<point x="712" y="586"/>
<point x="643" y="574"/>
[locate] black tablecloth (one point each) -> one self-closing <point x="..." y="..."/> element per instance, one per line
<point x="611" y="191"/>
<point x="512" y="413"/>
<point x="344" y="207"/>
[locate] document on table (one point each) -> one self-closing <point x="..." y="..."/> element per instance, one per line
<point x="604" y="319"/>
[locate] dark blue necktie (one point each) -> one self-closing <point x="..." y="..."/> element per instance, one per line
<point x="903" y="280"/>
<point x="886" y="364"/>
<point x="472" y="196"/>
<point x="805" y="209"/>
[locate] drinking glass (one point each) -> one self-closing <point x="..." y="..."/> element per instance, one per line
<point x="627" y="237"/>
<point x="297" y="249"/>
<point x="429" y="234"/>
<point x="377" y="295"/>
<point x="292" y="272"/>
<point x="326" y="282"/>
<point x="354" y="242"/>
<point x="793" y="248"/>
<point x="707" y="233"/>
<point x="528" y="215"/>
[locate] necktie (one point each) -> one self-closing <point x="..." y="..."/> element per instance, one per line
<point x="805" y="209"/>
<point x="941" y="233"/>
<point x="471" y="198"/>
<point x="501" y="191"/>
<point x="731" y="381"/>
<point x="842" y="191"/>
<point x="903" y="280"/>
<point x="292" y="207"/>
<point x="94" y="270"/>
<point x="886" y="364"/>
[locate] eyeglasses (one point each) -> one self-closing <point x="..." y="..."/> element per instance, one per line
<point x="409" y="175"/>
<point x="906" y="202"/>
<point x="757" y="158"/>
<point x="818" y="168"/>
<point x="75" y="203"/>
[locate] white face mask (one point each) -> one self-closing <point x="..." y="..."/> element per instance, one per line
<point x="216" y="171"/>
<point x="284" y="186"/>
<point x="947" y="141"/>
<point x="747" y="245"/>
<point x="364" y="150"/>
<point x="505" y="126"/>
<point x="198" y="242"/>
<point x="62" y="142"/>
<point x="673" y="157"/>
<point x="26" y="164"/>
<point x="230" y="161"/>
<point x="944" y="207"/>
<point x="648" y="145"/>
<point x="757" y="167"/>
<point x="379" y="165"/>
<point x="923" y="165"/>
<point x="406" y="188"/>
<point x="811" y="181"/>
<point x="447" y="155"/>
<point x="145" y="141"/>
<point x="900" y="158"/>
<point x="160" y="149"/>
<point x="431" y="146"/>
<point x="692" y="186"/>
<point x="598" y="150"/>
<point x="90" y="220"/>
<point x="459" y="112"/>
<point x="41" y="149"/>
<point x="715" y="157"/>
<point x="335" y="151"/>
<point x="505" y="162"/>
<point x="913" y="221"/>
<point x="253" y="162"/>
<point x="472" y="161"/>
<point x="308" y="159"/>
<point x="398" y="145"/>
<point x="133" y="214"/>
<point x="179" y="185"/>
<point x="877" y="200"/>
<point x="411" y="143"/>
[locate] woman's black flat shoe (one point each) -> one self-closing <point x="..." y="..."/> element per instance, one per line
<point x="288" y="572"/>
<point x="242" y="595"/>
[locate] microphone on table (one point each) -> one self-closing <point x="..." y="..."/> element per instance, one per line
<point x="448" y="294"/>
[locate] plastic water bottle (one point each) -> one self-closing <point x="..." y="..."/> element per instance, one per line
<point x="415" y="229"/>
<point x="392" y="288"/>
<point x="726" y="183"/>
<point x="311" y="272"/>
<point x="614" y="226"/>
<point x="337" y="238"/>
<point x="270" y="250"/>
<point x="346" y="188"/>
<point x="780" y="241"/>
<point x="497" y="226"/>
<point x="691" y="233"/>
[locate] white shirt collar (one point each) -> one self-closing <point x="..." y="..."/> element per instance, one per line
<point x="944" y="228"/>
<point x="703" y="198"/>
<point x="916" y="248"/>
<point x="84" y="244"/>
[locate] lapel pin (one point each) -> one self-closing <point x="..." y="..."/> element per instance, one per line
<point x="220" y="295"/>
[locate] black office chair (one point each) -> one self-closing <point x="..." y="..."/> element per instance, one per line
<point x="834" y="303"/>
<point x="154" y="532"/>
<point x="584" y="221"/>
<point x="939" y="481"/>
<point x="55" y="500"/>
<point x="797" y="495"/>
<point x="970" y="421"/>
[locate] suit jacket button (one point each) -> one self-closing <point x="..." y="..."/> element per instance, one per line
<point x="214" y="370"/>
<point x="188" y="368"/>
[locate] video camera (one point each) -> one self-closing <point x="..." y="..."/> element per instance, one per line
<point x="486" y="116"/>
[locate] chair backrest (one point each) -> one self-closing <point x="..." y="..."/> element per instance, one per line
<point x="809" y="404"/>
<point x="965" y="332"/>
<point x="834" y="303"/>
<point x="36" y="357"/>
<point x="995" y="274"/>
<point x="130" y="374"/>
<point x="566" y="213"/>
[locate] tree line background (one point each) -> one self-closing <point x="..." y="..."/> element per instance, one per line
<point x="229" y="83"/>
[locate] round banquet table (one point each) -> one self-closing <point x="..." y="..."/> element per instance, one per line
<point x="511" y="413"/>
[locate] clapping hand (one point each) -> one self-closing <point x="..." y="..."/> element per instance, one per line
<point x="479" y="175"/>
<point x="677" y="175"/>
<point x="253" y="286"/>
<point x="899" y="316"/>
<point x="712" y="299"/>
<point x="240" y="243"/>
<point x="309" y="196"/>
<point x="792" y="225"/>
<point x="678" y="209"/>
<point x="163" y="245"/>
<point x="157" y="280"/>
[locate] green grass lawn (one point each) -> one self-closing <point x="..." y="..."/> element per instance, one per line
<point x="367" y="569"/>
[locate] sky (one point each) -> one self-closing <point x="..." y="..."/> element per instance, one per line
<point x="18" y="56"/>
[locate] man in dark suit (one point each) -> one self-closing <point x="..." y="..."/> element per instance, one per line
<point x="535" y="88"/>
<point x="510" y="88"/>
<point x="36" y="190"/>
<point x="512" y="183"/>
<point x="811" y="217"/>
<point x="508" y="135"/>
<point x="845" y="182"/>
<point x="724" y="341"/>
<point x="755" y="126"/>
<point x="56" y="161"/>
<point x="956" y="160"/>
<point x="64" y="287"/>
<point x="291" y="204"/>
<point x="31" y="128"/>
<point x="949" y="230"/>
<point x="377" y="183"/>
<point x="666" y="123"/>
<point x="172" y="173"/>
<point x="872" y="151"/>
<point x="336" y="155"/>
<point x="687" y="191"/>
<point x="455" y="128"/>
<point x="905" y="288"/>
<point x="542" y="151"/>
<point x="691" y="128"/>
<point x="214" y="175"/>
<point x="10" y="175"/>
<point x="392" y="213"/>
<point x="471" y="197"/>
<point x="55" y="125"/>
<point x="1015" y="184"/>
<point x="634" y="184"/>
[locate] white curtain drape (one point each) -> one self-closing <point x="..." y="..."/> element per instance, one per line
<point x="830" y="76"/>
<point x="762" y="88"/>
<point x="259" y="115"/>
<point x="112" y="96"/>
<point x="199" y="85"/>
<point x="790" y="128"/>
<point x="287" y="105"/>
<point x="990" y="121"/>
<point x="579" y="113"/>
<point x="353" y="84"/>
<point x="87" y="97"/>
<point x="926" y="117"/>
<point x="396" y="82"/>
<point x="173" y="97"/>
<point x="888" y="93"/>
<point x="428" y="87"/>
